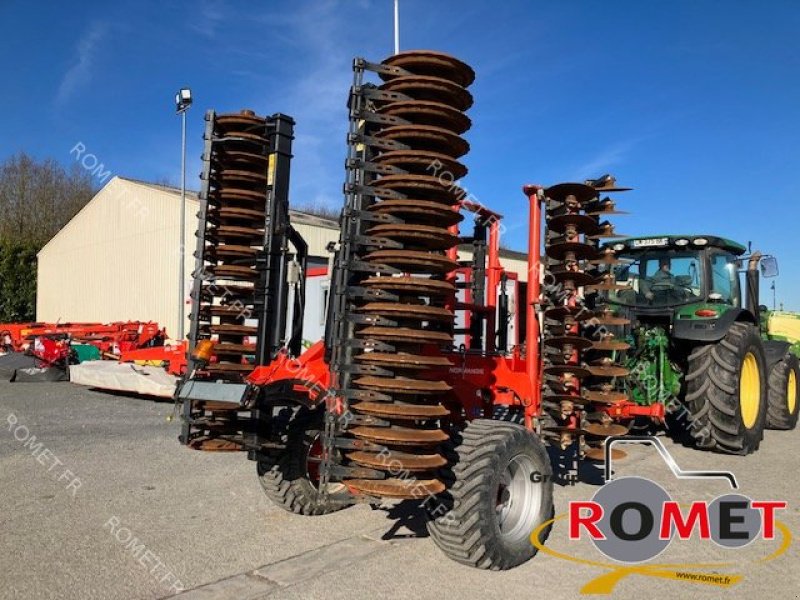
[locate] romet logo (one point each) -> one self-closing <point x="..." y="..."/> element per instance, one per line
<point x="632" y="520"/>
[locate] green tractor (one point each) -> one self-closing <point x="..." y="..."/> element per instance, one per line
<point x="695" y="345"/>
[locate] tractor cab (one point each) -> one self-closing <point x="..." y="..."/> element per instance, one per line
<point x="669" y="272"/>
<point x="687" y="278"/>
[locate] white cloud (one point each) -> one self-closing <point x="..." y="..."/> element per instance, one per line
<point x="607" y="158"/>
<point x="81" y="70"/>
<point x="209" y="17"/>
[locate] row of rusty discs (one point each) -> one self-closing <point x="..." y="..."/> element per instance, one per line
<point x="581" y="370"/>
<point x="407" y="406"/>
<point x="233" y="232"/>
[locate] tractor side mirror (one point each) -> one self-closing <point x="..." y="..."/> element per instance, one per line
<point x="769" y="266"/>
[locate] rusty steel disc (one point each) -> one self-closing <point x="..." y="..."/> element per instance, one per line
<point x="255" y="177"/>
<point x="581" y="192"/>
<point x="224" y="233"/>
<point x="433" y="212"/>
<point x="421" y="112"/>
<point x="435" y="89"/>
<point x="207" y="444"/>
<point x="422" y="187"/>
<point x="579" y="250"/>
<point x="598" y="454"/>
<point x="426" y="137"/>
<point x="603" y="430"/>
<point x="405" y="334"/>
<point x="421" y="286"/>
<point x="560" y="313"/>
<point x="401" y="436"/>
<point x="228" y="329"/>
<point x="229" y="193"/>
<point x="398" y="461"/>
<point x="245" y="125"/>
<point x="607" y="184"/>
<point x="225" y="310"/>
<point x="565" y="341"/>
<point x="407" y="311"/>
<point x="402" y="385"/>
<point x="232" y="251"/>
<point x="391" y="410"/>
<point x="445" y="167"/>
<point x="580" y="223"/>
<point x="435" y="64"/>
<point x="403" y="360"/>
<point x="576" y="371"/>
<point x="607" y="282"/>
<point x="227" y="348"/>
<point x="609" y="317"/>
<point x="604" y="397"/>
<point x="411" y="489"/>
<point x="605" y="258"/>
<point x="247" y="214"/>
<point x="613" y="345"/>
<point x="606" y="230"/>
<point x="425" y="236"/>
<point x="250" y="161"/>
<point x="218" y="406"/>
<point x="577" y="278"/>
<point x="606" y="206"/>
<point x="562" y="429"/>
<point x="233" y="272"/>
<point x="413" y="261"/>
<point x="230" y="290"/>
<point x="578" y="401"/>
<point x="608" y="371"/>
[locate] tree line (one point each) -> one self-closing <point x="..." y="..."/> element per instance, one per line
<point x="37" y="198"/>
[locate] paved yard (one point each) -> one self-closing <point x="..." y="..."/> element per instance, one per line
<point x="110" y="480"/>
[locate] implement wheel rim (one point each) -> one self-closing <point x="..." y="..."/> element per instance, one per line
<point x="749" y="390"/>
<point x="519" y="499"/>
<point x="791" y="391"/>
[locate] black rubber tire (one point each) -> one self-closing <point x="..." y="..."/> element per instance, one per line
<point x="284" y="476"/>
<point x="778" y="414"/>
<point x="463" y="522"/>
<point x="712" y="392"/>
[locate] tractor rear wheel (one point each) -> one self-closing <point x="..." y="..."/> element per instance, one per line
<point x="500" y="489"/>
<point x="726" y="392"/>
<point x="783" y="406"/>
<point x="291" y="478"/>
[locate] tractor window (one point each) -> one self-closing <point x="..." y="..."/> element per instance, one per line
<point x="659" y="278"/>
<point x="724" y="279"/>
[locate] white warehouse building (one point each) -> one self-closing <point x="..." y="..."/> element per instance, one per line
<point x="117" y="259"/>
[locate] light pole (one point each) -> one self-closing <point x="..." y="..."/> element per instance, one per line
<point x="397" y="26"/>
<point x="183" y="100"/>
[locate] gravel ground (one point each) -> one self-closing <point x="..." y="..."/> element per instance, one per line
<point x="110" y="479"/>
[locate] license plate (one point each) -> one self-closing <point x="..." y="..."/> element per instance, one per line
<point x="650" y="242"/>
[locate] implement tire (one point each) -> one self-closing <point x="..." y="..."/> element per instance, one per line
<point x="782" y="403"/>
<point x="288" y="477"/>
<point x="726" y="392"/>
<point x="500" y="489"/>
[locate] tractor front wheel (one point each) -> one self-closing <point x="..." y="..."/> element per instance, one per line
<point x="726" y="392"/>
<point x="500" y="489"/>
<point x="291" y="478"/>
<point x="783" y="405"/>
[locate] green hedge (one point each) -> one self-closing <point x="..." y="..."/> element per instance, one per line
<point x="17" y="281"/>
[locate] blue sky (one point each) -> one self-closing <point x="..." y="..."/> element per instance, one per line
<point x="692" y="102"/>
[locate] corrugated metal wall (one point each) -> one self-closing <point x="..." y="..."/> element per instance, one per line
<point x="118" y="258"/>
